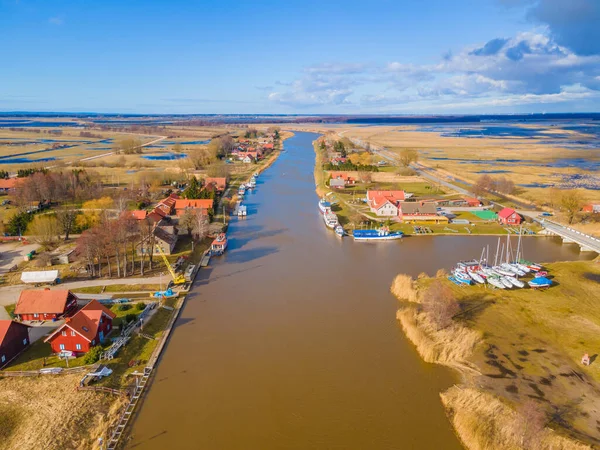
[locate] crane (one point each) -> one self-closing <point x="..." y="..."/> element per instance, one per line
<point x="177" y="279"/>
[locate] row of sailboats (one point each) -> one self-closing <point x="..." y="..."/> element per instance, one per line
<point x="504" y="273"/>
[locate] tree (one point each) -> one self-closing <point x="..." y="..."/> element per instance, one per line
<point x="66" y="219"/>
<point x="200" y="224"/>
<point x="365" y="159"/>
<point x="571" y="202"/>
<point x="130" y="146"/>
<point x="193" y="190"/>
<point x="17" y="224"/>
<point x="483" y="184"/>
<point x="45" y="230"/>
<point x="219" y="169"/>
<point x="187" y="221"/>
<point x="354" y="158"/>
<point x="408" y="156"/>
<point x="440" y="304"/>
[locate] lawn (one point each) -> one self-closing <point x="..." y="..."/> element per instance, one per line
<point x="39" y="356"/>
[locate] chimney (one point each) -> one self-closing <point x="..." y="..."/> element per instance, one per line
<point x="46" y="288"/>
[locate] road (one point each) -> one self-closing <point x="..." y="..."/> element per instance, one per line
<point x="580" y="238"/>
<point x="160" y="138"/>
<point x="10" y="294"/>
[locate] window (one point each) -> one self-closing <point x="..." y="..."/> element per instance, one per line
<point x="108" y="326"/>
<point x="36" y="315"/>
<point x="72" y="333"/>
<point x="3" y="358"/>
<point x="78" y="346"/>
<point x="24" y="341"/>
<point x="64" y="333"/>
<point x="62" y="346"/>
<point x="94" y="342"/>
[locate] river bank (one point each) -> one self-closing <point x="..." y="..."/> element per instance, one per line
<point x="512" y="348"/>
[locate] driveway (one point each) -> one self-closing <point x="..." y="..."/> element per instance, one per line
<point x="12" y="253"/>
<point x="38" y="331"/>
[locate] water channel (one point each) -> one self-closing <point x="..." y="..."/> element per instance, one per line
<point x="290" y="341"/>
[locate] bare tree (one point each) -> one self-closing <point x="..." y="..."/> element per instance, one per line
<point x="408" y="156"/>
<point x="187" y="221"/>
<point x="66" y="219"/>
<point x="45" y="230"/>
<point x="440" y="304"/>
<point x="484" y="184"/>
<point x="571" y="202"/>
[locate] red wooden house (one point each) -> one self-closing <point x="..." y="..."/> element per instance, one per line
<point x="14" y="338"/>
<point x="45" y="304"/>
<point x="87" y="328"/>
<point x="509" y="216"/>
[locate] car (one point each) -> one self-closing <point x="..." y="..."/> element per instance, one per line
<point x="547" y="214"/>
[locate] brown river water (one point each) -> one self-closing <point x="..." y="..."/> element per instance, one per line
<point x="290" y="340"/>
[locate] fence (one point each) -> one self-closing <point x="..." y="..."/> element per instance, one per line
<point x="102" y="389"/>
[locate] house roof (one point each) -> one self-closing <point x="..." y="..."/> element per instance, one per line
<point x="342" y="175"/>
<point x="42" y="301"/>
<point x="418" y="208"/>
<point x="138" y="214"/>
<point x="472" y="200"/>
<point x="506" y="213"/>
<point x="5" y="326"/>
<point x="219" y="182"/>
<point x="393" y="196"/>
<point x="8" y="183"/>
<point x="86" y="321"/>
<point x="165" y="236"/>
<point x="204" y="203"/>
<point x="269" y="146"/>
<point x="378" y="201"/>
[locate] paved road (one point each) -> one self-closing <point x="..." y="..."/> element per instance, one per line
<point x="10" y="294"/>
<point x="569" y="233"/>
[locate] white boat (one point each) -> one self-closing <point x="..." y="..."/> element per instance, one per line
<point x="515" y="282"/>
<point x="503" y="272"/>
<point x="242" y="211"/>
<point x="242" y="190"/>
<point x="523" y="267"/>
<point x="507" y="284"/>
<point x="330" y="220"/>
<point x="339" y="231"/>
<point x="512" y="268"/>
<point x="478" y="278"/>
<point x="324" y="206"/>
<point x="461" y="276"/>
<point x="495" y="281"/>
<point x="255" y="175"/>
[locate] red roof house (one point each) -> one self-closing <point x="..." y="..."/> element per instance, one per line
<point x="8" y="184"/>
<point x="218" y="182"/>
<point x="385" y="203"/>
<point x="45" y="304"/>
<point x="87" y="328"/>
<point x="138" y="214"/>
<point x="509" y="216"/>
<point x="182" y="205"/>
<point x="591" y="208"/>
<point x="14" y="338"/>
<point x="472" y="201"/>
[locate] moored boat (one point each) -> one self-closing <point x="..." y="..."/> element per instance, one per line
<point x="506" y="282"/>
<point x="219" y="245"/>
<point x="495" y="281"/>
<point x="515" y="282"/>
<point x="382" y="234"/>
<point x="330" y="220"/>
<point x="339" y="231"/>
<point x="324" y="206"/>
<point x="540" y="282"/>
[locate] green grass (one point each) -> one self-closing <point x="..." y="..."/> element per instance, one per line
<point x="10" y="309"/>
<point x="33" y="358"/>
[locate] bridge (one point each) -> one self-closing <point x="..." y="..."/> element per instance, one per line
<point x="586" y="242"/>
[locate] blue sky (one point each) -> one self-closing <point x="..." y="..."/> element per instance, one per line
<point x="338" y="57"/>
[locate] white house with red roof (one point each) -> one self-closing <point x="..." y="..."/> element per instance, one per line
<point x="385" y="203"/>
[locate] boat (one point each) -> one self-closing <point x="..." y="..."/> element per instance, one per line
<point x="339" y="231"/>
<point x="476" y="277"/>
<point x="515" y="282"/>
<point x="523" y="267"/>
<point x="506" y="282"/>
<point x="461" y="276"/>
<point x="382" y="234"/>
<point x="255" y="175"/>
<point x="324" y="206"/>
<point x="512" y="270"/>
<point x="540" y="282"/>
<point x="242" y="190"/>
<point x="219" y="245"/>
<point x="252" y="183"/>
<point x="330" y="220"/>
<point x="541" y="273"/>
<point x="503" y="272"/>
<point x="242" y="211"/>
<point x="495" y="281"/>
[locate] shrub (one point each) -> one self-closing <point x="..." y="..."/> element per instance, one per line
<point x="130" y="317"/>
<point x="124" y="307"/>
<point x="140" y="306"/>
<point x="93" y="355"/>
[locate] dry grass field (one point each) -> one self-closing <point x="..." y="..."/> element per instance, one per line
<point x="551" y="155"/>
<point x="519" y="345"/>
